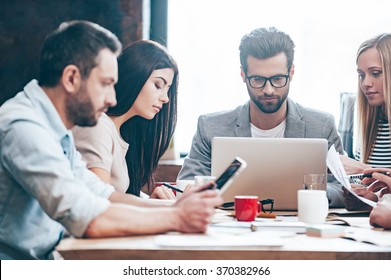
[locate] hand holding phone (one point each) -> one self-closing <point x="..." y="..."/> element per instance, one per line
<point x="227" y="177"/>
<point x="230" y="174"/>
<point x="208" y="186"/>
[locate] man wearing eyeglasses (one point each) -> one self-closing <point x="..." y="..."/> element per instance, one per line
<point x="266" y="57"/>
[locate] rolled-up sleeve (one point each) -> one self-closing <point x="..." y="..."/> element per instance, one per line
<point x="38" y="163"/>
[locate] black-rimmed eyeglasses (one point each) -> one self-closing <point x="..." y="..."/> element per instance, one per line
<point x="277" y="81"/>
<point x="267" y="205"/>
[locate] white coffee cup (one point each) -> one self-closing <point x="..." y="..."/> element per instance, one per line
<point x="201" y="180"/>
<point x="313" y="206"/>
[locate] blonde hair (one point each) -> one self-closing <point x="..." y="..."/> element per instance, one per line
<point x="368" y="116"/>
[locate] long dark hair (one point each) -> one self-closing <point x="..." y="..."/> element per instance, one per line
<point x="147" y="139"/>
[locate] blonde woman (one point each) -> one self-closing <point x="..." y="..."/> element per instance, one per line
<point x="372" y="144"/>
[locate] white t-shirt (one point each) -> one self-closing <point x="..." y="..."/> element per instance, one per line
<point x="276" y="132"/>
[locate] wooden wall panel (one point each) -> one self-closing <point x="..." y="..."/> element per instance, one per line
<point x="24" y="25"/>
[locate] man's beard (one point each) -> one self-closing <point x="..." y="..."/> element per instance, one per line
<point x="80" y="110"/>
<point x="269" y="107"/>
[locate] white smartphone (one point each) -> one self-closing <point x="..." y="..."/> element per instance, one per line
<point x="230" y="173"/>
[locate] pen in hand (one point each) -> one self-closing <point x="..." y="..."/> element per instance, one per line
<point x="172" y="187"/>
<point x="366" y="175"/>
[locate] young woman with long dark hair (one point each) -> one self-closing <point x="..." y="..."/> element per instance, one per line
<point x="125" y="146"/>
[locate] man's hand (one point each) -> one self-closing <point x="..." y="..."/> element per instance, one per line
<point x="195" y="209"/>
<point x="190" y="189"/>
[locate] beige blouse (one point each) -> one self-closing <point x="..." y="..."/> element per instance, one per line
<point x="101" y="146"/>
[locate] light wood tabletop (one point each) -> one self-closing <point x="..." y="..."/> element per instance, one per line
<point x="290" y="246"/>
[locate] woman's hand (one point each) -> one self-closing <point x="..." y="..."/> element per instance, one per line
<point x="378" y="182"/>
<point x="162" y="192"/>
<point x="352" y="203"/>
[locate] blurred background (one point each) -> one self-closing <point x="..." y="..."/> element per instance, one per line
<point x="204" y="36"/>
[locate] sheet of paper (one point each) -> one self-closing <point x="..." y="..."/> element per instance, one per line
<point x="222" y="216"/>
<point x="214" y="238"/>
<point x="362" y="222"/>
<point x="335" y="165"/>
<point x="263" y="225"/>
<point x="373" y="236"/>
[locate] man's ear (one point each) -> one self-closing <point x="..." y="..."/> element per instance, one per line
<point x="242" y="74"/>
<point x="291" y="72"/>
<point x="71" y="79"/>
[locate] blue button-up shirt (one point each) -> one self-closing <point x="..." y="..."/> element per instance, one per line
<point x="44" y="185"/>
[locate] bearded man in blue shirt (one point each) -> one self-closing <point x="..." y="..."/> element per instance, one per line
<point x="45" y="187"/>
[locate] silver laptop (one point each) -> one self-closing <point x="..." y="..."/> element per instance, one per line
<point x="275" y="166"/>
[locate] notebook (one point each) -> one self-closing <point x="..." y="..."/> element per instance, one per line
<point x="275" y="166"/>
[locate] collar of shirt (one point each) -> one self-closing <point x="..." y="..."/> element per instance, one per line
<point x="44" y="105"/>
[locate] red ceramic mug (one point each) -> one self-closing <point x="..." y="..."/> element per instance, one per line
<point x="247" y="207"/>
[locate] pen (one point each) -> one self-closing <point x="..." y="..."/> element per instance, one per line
<point x="266" y="215"/>
<point x="366" y="175"/>
<point x="172" y="187"/>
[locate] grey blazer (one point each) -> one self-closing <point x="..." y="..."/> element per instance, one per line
<point x="301" y="122"/>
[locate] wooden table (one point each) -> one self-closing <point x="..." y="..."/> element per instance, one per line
<point x="299" y="247"/>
